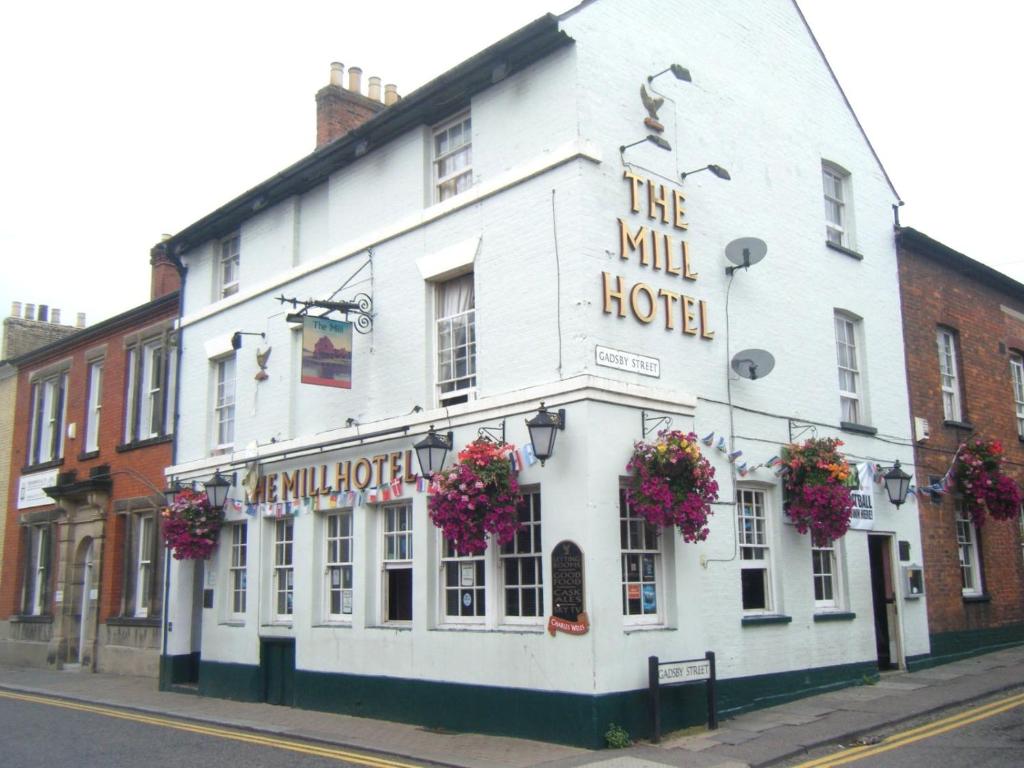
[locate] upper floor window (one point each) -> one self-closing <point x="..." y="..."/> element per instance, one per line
<point x="456" y="340"/>
<point x="949" y="375"/>
<point x="755" y="553"/>
<point x="149" y="408"/>
<point x="967" y="547"/>
<point x="224" y="403"/>
<point x="836" y="184"/>
<point x="1017" y="375"/>
<point x="850" y="385"/>
<point x="93" y="406"/>
<point x="228" y="265"/>
<point x="46" y="440"/>
<point x="640" y="550"/>
<point x="453" y="158"/>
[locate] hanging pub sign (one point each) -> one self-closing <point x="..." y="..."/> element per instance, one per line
<point x="567" y="607"/>
<point x="862" y="517"/>
<point x="326" y="352"/>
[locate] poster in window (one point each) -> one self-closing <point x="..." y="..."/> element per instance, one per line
<point x="326" y="352"/>
<point x="648" y="568"/>
<point x="346" y="601"/>
<point x="466" y="574"/>
<point x="633" y="591"/>
<point x="335" y="577"/>
<point x="650" y="599"/>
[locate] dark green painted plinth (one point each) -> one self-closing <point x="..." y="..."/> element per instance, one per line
<point x="178" y="670"/>
<point x="952" y="646"/>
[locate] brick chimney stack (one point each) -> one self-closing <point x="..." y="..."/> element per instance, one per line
<point x="339" y="109"/>
<point x="164" y="277"/>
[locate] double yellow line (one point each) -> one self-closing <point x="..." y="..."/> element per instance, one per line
<point x="220" y="733"/>
<point x="904" y="738"/>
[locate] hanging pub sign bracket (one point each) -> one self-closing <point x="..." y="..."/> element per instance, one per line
<point x="798" y="429"/>
<point x="361" y="306"/>
<point x="656" y="422"/>
<point x="494" y="434"/>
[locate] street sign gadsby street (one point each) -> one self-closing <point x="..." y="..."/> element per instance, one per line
<point x="683" y="672"/>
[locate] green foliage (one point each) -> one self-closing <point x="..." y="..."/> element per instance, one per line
<point x="617" y="737"/>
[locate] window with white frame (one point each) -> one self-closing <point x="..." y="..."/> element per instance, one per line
<point x="238" y="575"/>
<point x="464" y="584"/>
<point x="836" y="184"/>
<point x="149" y="408"/>
<point x="224" y="403"/>
<point x="284" y="569"/>
<point x="142" y="572"/>
<point x="520" y="563"/>
<point x="949" y="375"/>
<point x="1017" y="377"/>
<point x="453" y="158"/>
<point x="850" y="404"/>
<point x="397" y="563"/>
<point x="456" y="340"/>
<point x="49" y="397"/>
<point x="229" y="263"/>
<point x="36" y="592"/>
<point x="967" y="547"/>
<point x="338" y="565"/>
<point x="824" y="567"/>
<point x="640" y="550"/>
<point x="93" y="406"/>
<point x="755" y="553"/>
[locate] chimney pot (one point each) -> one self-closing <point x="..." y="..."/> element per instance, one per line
<point x="55" y="316"/>
<point x="355" y="75"/>
<point x="44" y="313"/>
<point x="337" y="73"/>
<point x="30" y="311"/>
<point x="165" y="237"/>
<point x="390" y="94"/>
<point x="373" y="90"/>
<point x="80" y="320"/>
<point x="15" y="309"/>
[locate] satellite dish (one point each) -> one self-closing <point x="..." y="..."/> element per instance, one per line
<point x="745" y="251"/>
<point x="753" y="363"/>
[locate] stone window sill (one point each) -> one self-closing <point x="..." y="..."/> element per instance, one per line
<point x="864" y="429"/>
<point x="984" y="597"/>
<point x="44" y="618"/>
<point x="768" y="618"/>
<point x="953" y="424"/>
<point x="835" y="616"/>
<point x="144" y="443"/>
<point x="845" y="251"/>
<point x="133" y="621"/>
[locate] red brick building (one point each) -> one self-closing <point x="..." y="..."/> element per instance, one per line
<point x="82" y="567"/>
<point x="963" y="326"/>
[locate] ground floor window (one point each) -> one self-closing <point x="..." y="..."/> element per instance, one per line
<point x="823" y="566"/>
<point x="142" y="572"/>
<point x="284" y="569"/>
<point x="464" y="585"/>
<point x="640" y="547"/>
<point x="755" y="583"/>
<point x="239" y="558"/>
<point x="338" y="570"/>
<point x="38" y="546"/>
<point x="397" y="562"/>
<point x="520" y="563"/>
<point x="967" y="547"/>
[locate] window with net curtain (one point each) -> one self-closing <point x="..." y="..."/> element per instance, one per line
<point x="456" y="340"/>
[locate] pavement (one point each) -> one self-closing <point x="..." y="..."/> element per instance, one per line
<point x="755" y="739"/>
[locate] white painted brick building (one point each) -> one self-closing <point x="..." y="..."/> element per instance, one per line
<point x="537" y="227"/>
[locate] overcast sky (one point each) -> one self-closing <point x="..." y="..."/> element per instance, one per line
<point x="125" y="120"/>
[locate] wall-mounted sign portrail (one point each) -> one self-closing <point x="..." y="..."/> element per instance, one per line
<point x="326" y="352"/>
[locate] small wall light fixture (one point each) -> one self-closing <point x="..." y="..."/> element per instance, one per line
<point x="655" y="140"/>
<point x="543" y="428"/>
<point x="718" y="170"/>
<point x="680" y="72"/>
<point x="236" y="338"/>
<point x="217" y="490"/>
<point x="431" y="451"/>
<point x="897" y="484"/>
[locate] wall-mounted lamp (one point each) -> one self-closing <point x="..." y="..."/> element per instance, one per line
<point x="543" y="428"/>
<point x="680" y="72"/>
<point x="217" y="489"/>
<point x="431" y="451"/>
<point x="236" y="338"/>
<point x="655" y="140"/>
<point x="897" y="484"/>
<point x="718" y="170"/>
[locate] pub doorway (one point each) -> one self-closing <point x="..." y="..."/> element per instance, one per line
<point x="883" y="600"/>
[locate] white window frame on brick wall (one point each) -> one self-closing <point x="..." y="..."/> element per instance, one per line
<point x="949" y="374"/>
<point x="455" y="337"/>
<point x="149" y="405"/>
<point x="142" y="572"/>
<point x="238" y="569"/>
<point x="144" y="554"/>
<point x="969" y="552"/>
<point x="1017" y="379"/>
<point x="339" y="586"/>
<point x="36" y="598"/>
<point x="94" y="405"/>
<point x="229" y="263"/>
<point x="453" y="157"/>
<point x="224" y="383"/>
<point x="49" y="409"/>
<point x="642" y="579"/>
<point x="836" y="185"/>
<point x="852" y="404"/>
<point x="754" y="547"/>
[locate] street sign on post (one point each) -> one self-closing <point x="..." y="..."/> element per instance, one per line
<point x="684" y="672"/>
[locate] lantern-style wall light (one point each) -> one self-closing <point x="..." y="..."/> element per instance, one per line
<point x="431" y="451"/>
<point x="543" y="428"/>
<point x="217" y="490"/>
<point x="897" y="484"/>
<point x="171" y="492"/>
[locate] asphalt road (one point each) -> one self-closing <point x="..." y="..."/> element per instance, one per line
<point x="984" y="734"/>
<point x="37" y="734"/>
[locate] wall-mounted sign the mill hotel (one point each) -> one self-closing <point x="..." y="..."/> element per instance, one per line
<point x="659" y="251"/>
<point x="326" y="352"/>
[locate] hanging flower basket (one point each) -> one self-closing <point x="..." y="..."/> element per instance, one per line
<point x="672" y="484"/>
<point x="477" y="496"/>
<point x="981" y="483"/>
<point x="191" y="527"/>
<point x="818" y="498"/>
